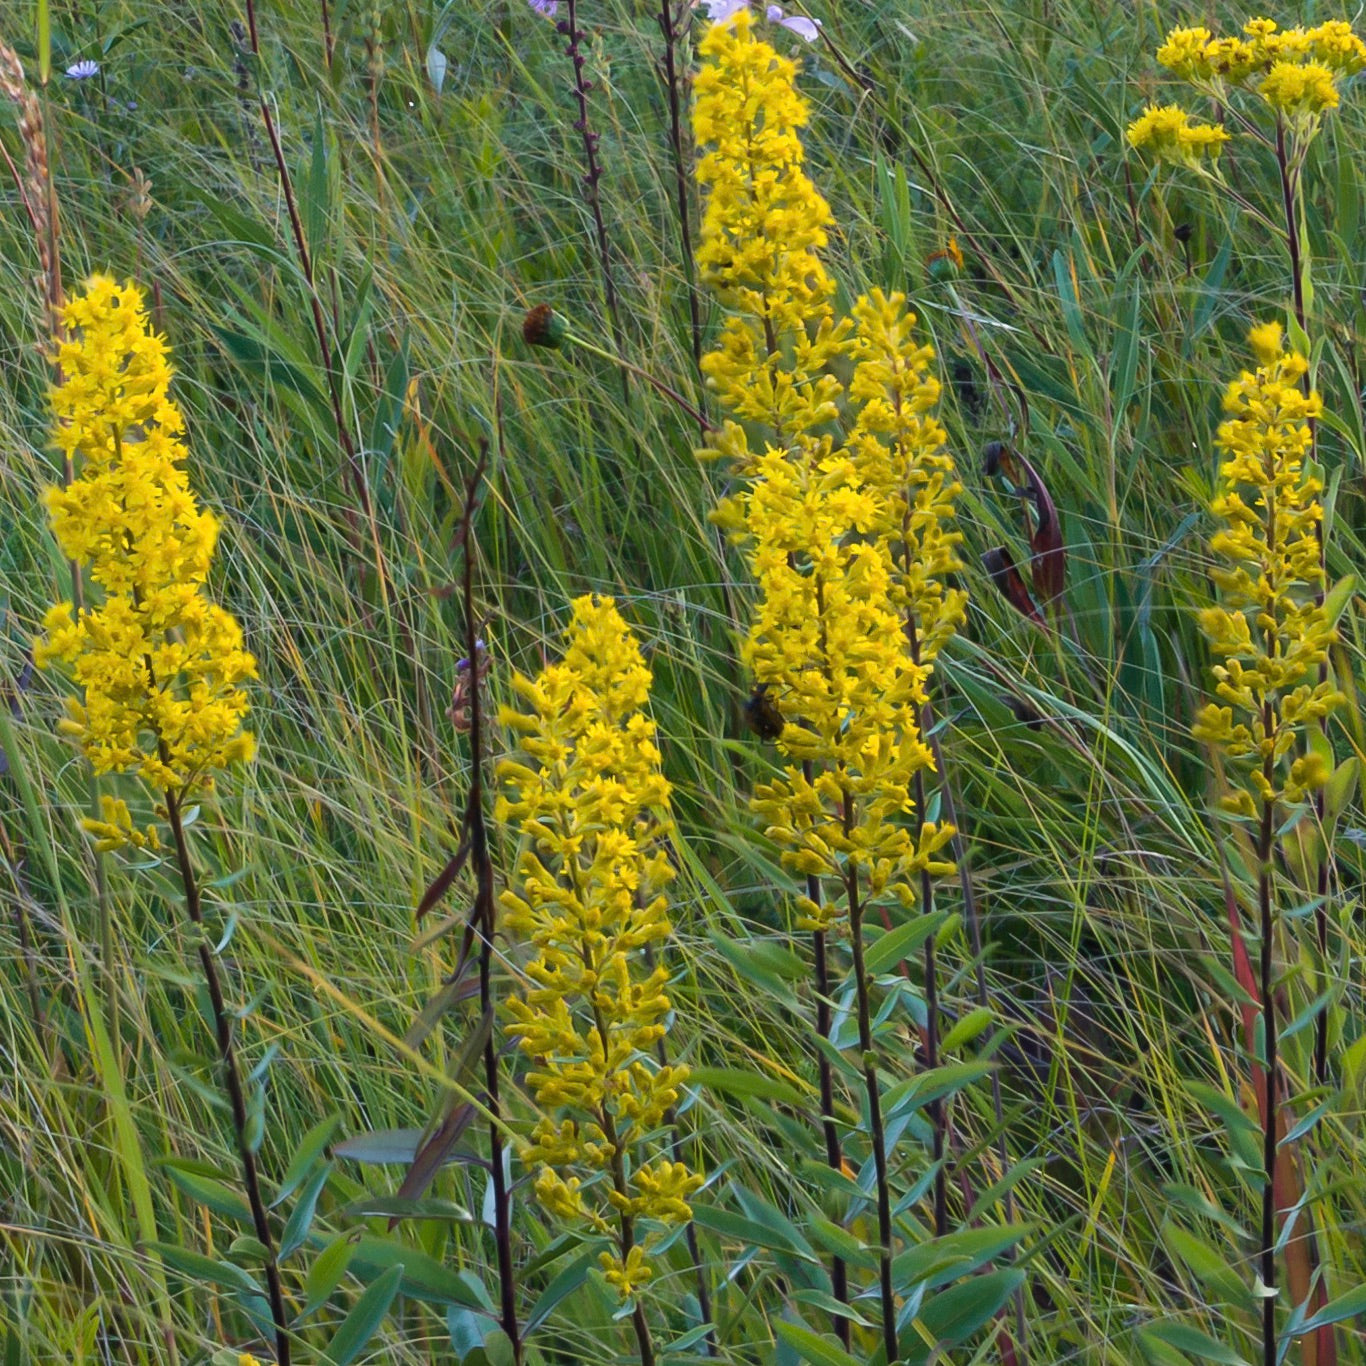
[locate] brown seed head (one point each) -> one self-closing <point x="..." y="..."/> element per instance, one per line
<point x="542" y="326"/>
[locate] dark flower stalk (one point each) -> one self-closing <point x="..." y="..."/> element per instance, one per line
<point x="573" y="35"/>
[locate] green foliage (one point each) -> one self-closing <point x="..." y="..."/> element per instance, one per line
<point x="1099" y="314"/>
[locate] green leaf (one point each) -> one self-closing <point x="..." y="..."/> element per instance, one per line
<point x="201" y="1268"/>
<point x="958" y="1312"/>
<point x="194" y="1180"/>
<point x="396" y="1207"/>
<point x="1193" y="1342"/>
<point x="325" y="1275"/>
<point x="300" y="1220"/>
<point x="1207" y="1265"/>
<point x="749" y="1232"/>
<point x="767" y="965"/>
<point x="944" y="1259"/>
<point x="812" y="1347"/>
<point x="1245" y="1136"/>
<point x="310" y="1145"/>
<point x="381" y="1147"/>
<point x="968" y="1028"/>
<point x="1349" y="1306"/>
<point x="738" y="1081"/>
<point x="890" y="947"/>
<point x="839" y="1242"/>
<point x="921" y="1089"/>
<point x="564" y="1285"/>
<point x="258" y="358"/>
<point x="359" y="1326"/>
<point x="424" y="1278"/>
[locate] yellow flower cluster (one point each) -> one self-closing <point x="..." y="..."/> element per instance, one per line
<point x="1296" y="70"/>
<point x="762" y="228"/>
<point x="828" y="643"/>
<point x="159" y="664"/>
<point x="1271" y="630"/>
<point x="899" y="447"/>
<point x="1170" y="135"/>
<point x="591" y="807"/>
<point x="847" y="542"/>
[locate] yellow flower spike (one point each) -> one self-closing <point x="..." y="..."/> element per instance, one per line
<point x="1270" y="630"/>
<point x="1184" y="53"/>
<point x="1337" y="47"/>
<point x="592" y="811"/>
<point x="898" y="448"/>
<point x="763" y="226"/>
<point x="159" y="665"/>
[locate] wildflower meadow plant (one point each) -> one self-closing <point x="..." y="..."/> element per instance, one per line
<point x="159" y="666"/>
<point x="591" y="808"/>
<point x="1292" y="78"/>
<point x="1294" y="75"/>
<point x="846" y="541"/>
<point x="1271" y="632"/>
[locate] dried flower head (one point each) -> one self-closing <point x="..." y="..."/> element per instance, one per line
<point x="542" y="326"/>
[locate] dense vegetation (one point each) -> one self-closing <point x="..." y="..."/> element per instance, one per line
<point x="1014" y="1108"/>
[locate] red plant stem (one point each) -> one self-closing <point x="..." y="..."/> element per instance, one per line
<point x="569" y="27"/>
<point x="1268" y="1004"/>
<point x="315" y="302"/>
<point x="973" y="919"/>
<point x="936" y="1107"/>
<point x="327" y="34"/>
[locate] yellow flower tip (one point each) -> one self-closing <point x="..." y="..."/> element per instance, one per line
<point x="1265" y="341"/>
<point x="629" y="1276"/>
<point x="1168" y="133"/>
<point x="159" y="664"/>
<point x="1307" y="89"/>
<point x="1184" y="53"/>
<point x="1337" y="47"/>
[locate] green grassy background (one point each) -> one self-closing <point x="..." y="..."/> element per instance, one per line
<point x="1092" y="853"/>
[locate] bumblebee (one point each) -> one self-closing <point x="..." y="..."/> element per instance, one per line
<point x="762" y="714"/>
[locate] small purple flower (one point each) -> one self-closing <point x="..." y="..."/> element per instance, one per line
<point x="803" y="28"/>
<point x="83" y="70"/>
<point x="723" y="11"/>
<point x="545" y="7"/>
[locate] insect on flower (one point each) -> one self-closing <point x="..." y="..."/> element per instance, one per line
<point x="762" y="713"/>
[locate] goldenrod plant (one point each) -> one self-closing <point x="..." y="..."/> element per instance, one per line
<point x="901" y="449"/>
<point x="159" y="667"/>
<point x="836" y="534"/>
<point x="1291" y="78"/>
<point x="591" y="809"/>
<point x="1271" y="633"/>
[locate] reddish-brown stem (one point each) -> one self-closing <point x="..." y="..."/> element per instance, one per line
<point x="486" y="916"/>
<point x="232" y="1078"/>
<point x="669" y="28"/>
<point x="877" y="1135"/>
<point x="569" y="27"/>
<point x="301" y="247"/>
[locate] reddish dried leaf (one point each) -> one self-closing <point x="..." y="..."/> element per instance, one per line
<point x="1000" y="564"/>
